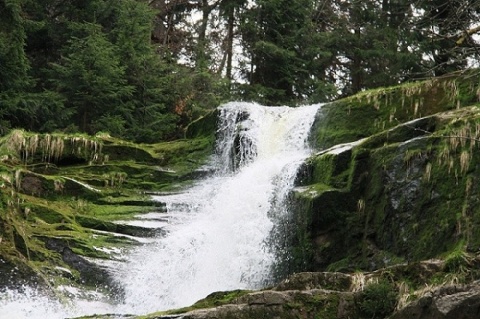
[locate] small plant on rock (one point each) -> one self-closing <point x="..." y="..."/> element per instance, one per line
<point x="458" y="261"/>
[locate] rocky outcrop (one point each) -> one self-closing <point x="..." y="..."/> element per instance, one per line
<point x="450" y="302"/>
<point x="380" y="294"/>
<point x="400" y="192"/>
<point x="447" y="302"/>
<point x="384" y="214"/>
<point x="282" y="304"/>
<point x="61" y="193"/>
<point x="394" y="184"/>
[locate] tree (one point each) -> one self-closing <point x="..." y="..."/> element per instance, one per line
<point x="280" y="39"/>
<point x="13" y="61"/>
<point x="171" y="31"/>
<point x="92" y="79"/>
<point x="93" y="61"/>
<point x="145" y="71"/>
<point x="228" y="10"/>
<point x="442" y="25"/>
<point x="375" y="43"/>
<point x="20" y="105"/>
<point x="14" y="65"/>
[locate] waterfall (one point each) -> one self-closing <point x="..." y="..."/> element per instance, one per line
<point x="217" y="232"/>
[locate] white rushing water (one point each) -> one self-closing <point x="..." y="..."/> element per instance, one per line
<point x="217" y="231"/>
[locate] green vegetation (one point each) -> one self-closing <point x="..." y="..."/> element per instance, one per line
<point x="376" y="111"/>
<point x="61" y="194"/>
<point x="102" y="102"/>
<point x="405" y="192"/>
<point x="394" y="212"/>
<point x="213" y="300"/>
<point x="142" y="71"/>
<point x="378" y="300"/>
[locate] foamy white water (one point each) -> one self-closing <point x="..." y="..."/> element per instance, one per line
<point x="32" y="304"/>
<point x="217" y="231"/>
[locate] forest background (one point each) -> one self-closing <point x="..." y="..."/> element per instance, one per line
<point x="142" y="70"/>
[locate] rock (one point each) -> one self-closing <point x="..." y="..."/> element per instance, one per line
<point x="282" y="305"/>
<point x="451" y="302"/>
<point x="316" y="280"/>
<point x="266" y="298"/>
<point x="90" y="273"/>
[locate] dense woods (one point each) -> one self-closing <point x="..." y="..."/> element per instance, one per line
<point x="142" y="70"/>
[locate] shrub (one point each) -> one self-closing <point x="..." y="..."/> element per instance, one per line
<point x="377" y="300"/>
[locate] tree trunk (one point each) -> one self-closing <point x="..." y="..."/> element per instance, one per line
<point x="231" y="20"/>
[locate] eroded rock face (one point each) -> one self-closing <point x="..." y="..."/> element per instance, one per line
<point x="303" y="295"/>
<point x="90" y="273"/>
<point x="316" y="280"/>
<point x="12" y="276"/>
<point x="444" y="303"/>
<point x="449" y="302"/>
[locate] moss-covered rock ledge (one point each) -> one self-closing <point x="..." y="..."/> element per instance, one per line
<point x="60" y="195"/>
<point x="388" y="207"/>
<point x="405" y="193"/>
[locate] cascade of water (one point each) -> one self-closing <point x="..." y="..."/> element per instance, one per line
<point x="217" y="231"/>
<point x="222" y="244"/>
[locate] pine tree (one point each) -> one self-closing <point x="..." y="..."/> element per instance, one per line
<point x="92" y="79"/>
<point x="376" y="44"/>
<point x="20" y="104"/>
<point x="442" y="25"/>
<point x="14" y="65"/>
<point x="280" y="39"/>
<point x="151" y="120"/>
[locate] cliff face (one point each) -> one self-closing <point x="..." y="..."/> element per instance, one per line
<point x="403" y="187"/>
<point x="396" y="183"/>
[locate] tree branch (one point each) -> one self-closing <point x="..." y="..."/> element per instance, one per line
<point x="466" y="34"/>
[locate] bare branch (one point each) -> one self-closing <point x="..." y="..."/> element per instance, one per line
<point x="466" y="34"/>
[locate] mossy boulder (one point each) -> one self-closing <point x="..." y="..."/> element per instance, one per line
<point x="402" y="184"/>
<point x="446" y="302"/>
<point x="370" y="112"/>
<point x="203" y="126"/>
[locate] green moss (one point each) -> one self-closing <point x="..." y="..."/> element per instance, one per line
<point x="329" y="168"/>
<point x="339" y="265"/>
<point x="50" y="148"/>
<point x="317" y="304"/>
<point x="374" y="111"/>
<point x="458" y="260"/>
<point x="66" y="193"/>
<point x="399" y="179"/>
<point x="185" y="155"/>
<point x="213" y="300"/>
<point x="46" y="214"/>
<point x="204" y="126"/>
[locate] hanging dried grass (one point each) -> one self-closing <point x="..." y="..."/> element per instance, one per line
<point x="465" y="159"/>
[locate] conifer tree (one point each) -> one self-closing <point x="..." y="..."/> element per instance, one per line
<point x="151" y="119"/>
<point x="92" y="79"/>
<point x="20" y="105"/>
<point x="280" y="40"/>
<point x="446" y="30"/>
